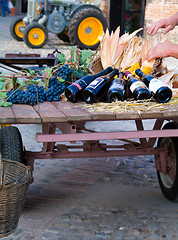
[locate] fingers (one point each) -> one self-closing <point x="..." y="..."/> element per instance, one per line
<point x="167" y="29"/>
<point x="156" y="26"/>
<point x="151" y="55"/>
<point x="151" y="29"/>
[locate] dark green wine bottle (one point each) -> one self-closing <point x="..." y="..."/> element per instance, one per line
<point x="73" y="92"/>
<point x="97" y="88"/>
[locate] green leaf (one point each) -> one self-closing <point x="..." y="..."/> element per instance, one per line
<point x="1" y="79"/>
<point x="2" y="85"/>
<point x="84" y="55"/>
<point x="61" y="80"/>
<point x="71" y="50"/>
<point x="9" y="84"/>
<point x="3" y="95"/>
<point x="5" y="104"/>
<point x="47" y="72"/>
<point x="79" y="73"/>
<point x="61" y="58"/>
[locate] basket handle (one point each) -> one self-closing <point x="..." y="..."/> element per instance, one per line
<point x="1" y="170"/>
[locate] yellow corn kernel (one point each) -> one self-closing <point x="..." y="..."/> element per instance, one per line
<point x="133" y="68"/>
<point x="147" y="70"/>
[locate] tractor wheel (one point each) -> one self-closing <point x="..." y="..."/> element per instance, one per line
<point x="16" y="29"/>
<point x="63" y="36"/>
<point x="169" y="182"/>
<point x="11" y="146"/>
<point x="85" y="28"/>
<point x="35" y="35"/>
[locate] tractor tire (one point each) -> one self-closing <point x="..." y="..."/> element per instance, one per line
<point x="63" y="36"/>
<point x="85" y="28"/>
<point x="16" y="29"/>
<point x="35" y="35"/>
<point x="11" y="146"/>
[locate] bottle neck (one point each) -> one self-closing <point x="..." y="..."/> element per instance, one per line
<point x="103" y="72"/>
<point x="143" y="76"/>
<point x="121" y="75"/>
<point x="111" y="75"/>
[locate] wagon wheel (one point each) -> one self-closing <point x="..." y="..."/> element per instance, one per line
<point x="11" y="146"/>
<point x="85" y="28"/>
<point x="35" y="35"/>
<point x="16" y="29"/>
<point x="169" y="182"/>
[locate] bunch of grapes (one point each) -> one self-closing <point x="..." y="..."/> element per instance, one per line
<point x="55" y="89"/>
<point x="34" y="93"/>
<point x="31" y="96"/>
<point x="65" y="73"/>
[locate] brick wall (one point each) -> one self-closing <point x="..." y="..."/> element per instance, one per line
<point x="156" y="9"/>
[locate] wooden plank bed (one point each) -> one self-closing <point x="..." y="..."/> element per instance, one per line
<point x="70" y="119"/>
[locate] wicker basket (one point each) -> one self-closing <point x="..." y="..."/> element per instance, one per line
<point x="14" y="181"/>
<point x="96" y="66"/>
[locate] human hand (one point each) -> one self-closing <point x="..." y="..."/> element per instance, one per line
<point x="167" y="23"/>
<point x="160" y="50"/>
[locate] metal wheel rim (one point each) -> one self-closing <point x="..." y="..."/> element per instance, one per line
<point x="18" y="29"/>
<point x="89" y="30"/>
<point x="166" y="180"/>
<point x="36" y="36"/>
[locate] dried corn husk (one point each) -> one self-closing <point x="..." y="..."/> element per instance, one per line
<point x="132" y="53"/>
<point x="167" y="78"/>
<point x="112" y="47"/>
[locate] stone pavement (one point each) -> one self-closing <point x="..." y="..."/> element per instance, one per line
<point x="90" y="199"/>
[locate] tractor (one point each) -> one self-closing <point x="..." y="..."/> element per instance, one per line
<point x="71" y="20"/>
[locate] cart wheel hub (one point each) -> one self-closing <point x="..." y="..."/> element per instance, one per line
<point x="35" y="36"/>
<point x="88" y="30"/>
<point x="19" y="27"/>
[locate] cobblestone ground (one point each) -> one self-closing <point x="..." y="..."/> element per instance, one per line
<point x="90" y="199"/>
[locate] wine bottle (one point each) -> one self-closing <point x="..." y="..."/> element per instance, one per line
<point x="138" y="88"/>
<point x="73" y="92"/>
<point x="117" y="89"/>
<point x="97" y="88"/>
<point x="161" y="92"/>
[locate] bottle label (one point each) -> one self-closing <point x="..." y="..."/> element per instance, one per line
<point x="117" y="85"/>
<point x="155" y="84"/>
<point x="136" y="85"/>
<point x="77" y="85"/>
<point x="95" y="83"/>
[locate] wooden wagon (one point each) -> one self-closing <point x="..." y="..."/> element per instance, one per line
<point x="71" y="120"/>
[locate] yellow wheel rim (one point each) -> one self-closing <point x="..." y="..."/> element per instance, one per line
<point x="18" y="29"/>
<point x="89" y="30"/>
<point x="36" y="36"/>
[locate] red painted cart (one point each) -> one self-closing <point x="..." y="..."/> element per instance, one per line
<point x="71" y="118"/>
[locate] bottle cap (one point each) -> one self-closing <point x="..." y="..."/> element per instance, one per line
<point x="127" y="73"/>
